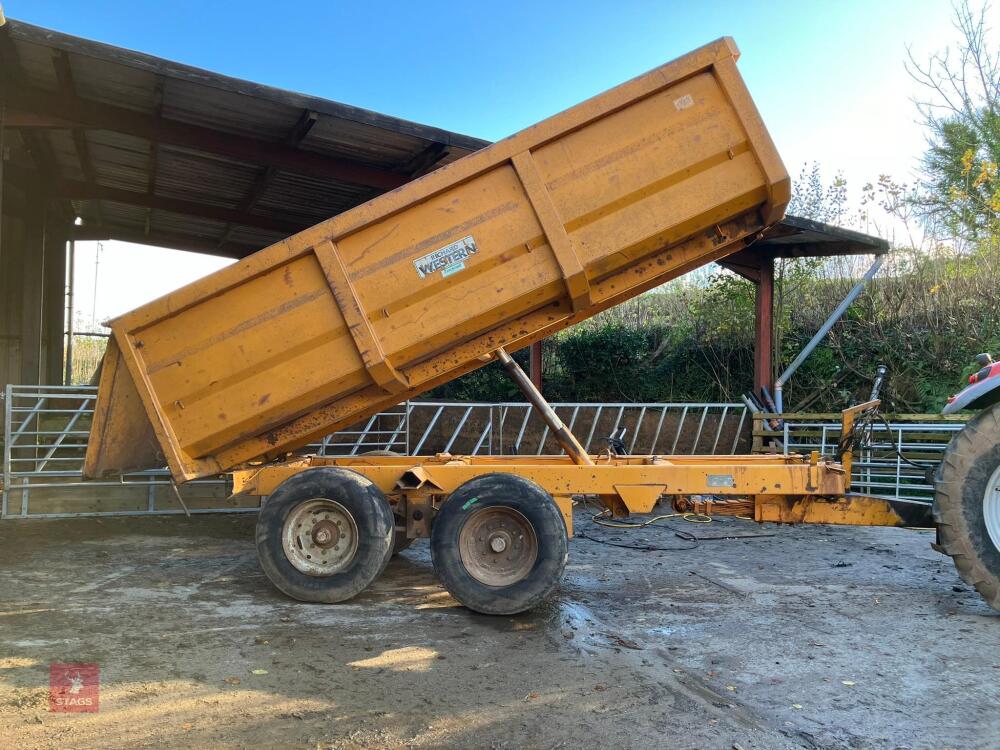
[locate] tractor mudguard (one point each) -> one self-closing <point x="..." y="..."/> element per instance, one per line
<point x="976" y="396"/>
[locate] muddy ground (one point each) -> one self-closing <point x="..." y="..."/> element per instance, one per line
<point x="790" y="638"/>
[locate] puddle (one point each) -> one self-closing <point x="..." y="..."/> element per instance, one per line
<point x="670" y="630"/>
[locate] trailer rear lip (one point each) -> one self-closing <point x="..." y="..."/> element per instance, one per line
<point x="588" y="208"/>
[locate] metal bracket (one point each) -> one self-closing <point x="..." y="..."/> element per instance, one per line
<point x="365" y="339"/>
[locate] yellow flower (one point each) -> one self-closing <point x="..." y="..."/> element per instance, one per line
<point x="967" y="158"/>
<point x="987" y="171"/>
<point x="995" y="201"/>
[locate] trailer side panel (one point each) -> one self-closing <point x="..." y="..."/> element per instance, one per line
<point x="548" y="227"/>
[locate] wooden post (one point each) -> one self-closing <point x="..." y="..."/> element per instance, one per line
<point x="763" y="372"/>
<point x="535" y="364"/>
<point x="70" y="291"/>
<point x="57" y="230"/>
<point x="757" y="440"/>
<point x="32" y="250"/>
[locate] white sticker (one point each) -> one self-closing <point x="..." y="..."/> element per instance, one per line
<point x="721" y="480"/>
<point x="448" y="259"/>
<point x="684" y="102"/>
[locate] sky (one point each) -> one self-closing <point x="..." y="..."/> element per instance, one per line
<point x="828" y="77"/>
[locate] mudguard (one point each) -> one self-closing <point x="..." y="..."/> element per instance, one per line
<point x="976" y="396"/>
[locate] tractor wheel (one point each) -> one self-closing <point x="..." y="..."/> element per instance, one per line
<point x="499" y="544"/>
<point x="324" y="534"/>
<point x="400" y="541"/>
<point x="967" y="503"/>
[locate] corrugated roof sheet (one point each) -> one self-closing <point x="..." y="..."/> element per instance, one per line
<point x="161" y="176"/>
<point x="122" y="159"/>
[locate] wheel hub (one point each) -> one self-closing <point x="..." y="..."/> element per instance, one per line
<point x="319" y="537"/>
<point x="498" y="546"/>
<point x="991" y="508"/>
<point x="325" y="534"/>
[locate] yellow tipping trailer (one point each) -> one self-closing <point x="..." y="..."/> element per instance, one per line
<point x="593" y="206"/>
<point x="416" y="287"/>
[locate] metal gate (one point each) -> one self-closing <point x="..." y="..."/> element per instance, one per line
<point x="895" y="460"/>
<point x="516" y="429"/>
<point x="46" y="429"/>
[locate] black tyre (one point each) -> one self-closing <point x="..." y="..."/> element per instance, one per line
<point x="967" y="503"/>
<point x="324" y="535"/>
<point x="499" y="544"/>
<point x="399" y="541"/>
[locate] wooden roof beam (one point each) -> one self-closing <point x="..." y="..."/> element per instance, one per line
<point x="25" y="98"/>
<point x="64" y="74"/>
<point x="426" y="160"/>
<point x="301" y="129"/>
<point x="11" y="72"/>
<point x="295" y="136"/>
<point x="750" y="273"/>
<point x="31" y="120"/>
<point x="174" y="70"/>
<point x="85" y="191"/>
<point x="153" y="162"/>
<point x="822" y="249"/>
<point x="266" y="176"/>
<point x="76" y="190"/>
<point x="159" y="239"/>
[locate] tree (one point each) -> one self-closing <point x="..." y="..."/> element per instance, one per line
<point x="960" y="191"/>
<point x="813" y="199"/>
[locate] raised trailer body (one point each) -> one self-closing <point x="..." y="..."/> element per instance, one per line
<point x="599" y="203"/>
<point x="595" y="205"/>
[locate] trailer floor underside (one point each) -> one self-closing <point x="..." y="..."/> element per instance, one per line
<point x="816" y="637"/>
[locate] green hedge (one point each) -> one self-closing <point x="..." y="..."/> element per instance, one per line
<point x="924" y="316"/>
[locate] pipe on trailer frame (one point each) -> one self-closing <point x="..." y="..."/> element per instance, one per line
<point x="566" y="438"/>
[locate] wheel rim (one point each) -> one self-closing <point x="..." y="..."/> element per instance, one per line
<point x="498" y="546"/>
<point x="991" y="508"/>
<point x="320" y="537"/>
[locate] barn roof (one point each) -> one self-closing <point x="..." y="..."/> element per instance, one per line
<point x="153" y="151"/>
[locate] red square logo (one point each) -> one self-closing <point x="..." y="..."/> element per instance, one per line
<point x="74" y="688"/>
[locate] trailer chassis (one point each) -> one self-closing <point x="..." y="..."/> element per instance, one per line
<point x="418" y="489"/>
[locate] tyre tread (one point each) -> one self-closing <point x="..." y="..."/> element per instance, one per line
<point x="954" y="531"/>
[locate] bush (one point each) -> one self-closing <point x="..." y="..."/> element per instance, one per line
<point x="926" y="316"/>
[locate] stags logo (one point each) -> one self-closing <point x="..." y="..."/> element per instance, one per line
<point x="74" y="688"/>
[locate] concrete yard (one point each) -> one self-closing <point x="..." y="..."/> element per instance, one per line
<point x="812" y="637"/>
